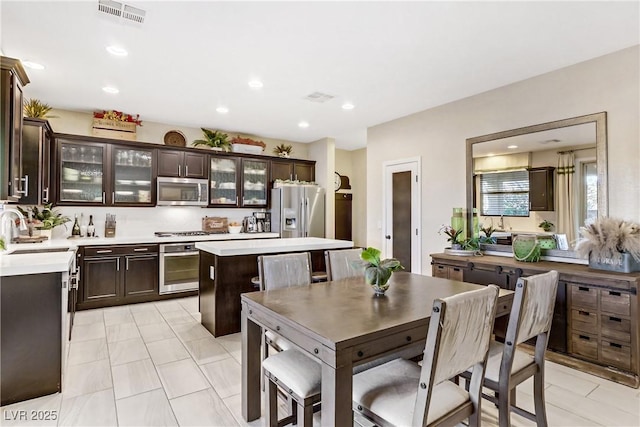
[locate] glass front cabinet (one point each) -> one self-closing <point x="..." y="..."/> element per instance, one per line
<point x="104" y="174"/>
<point x="254" y="182"/>
<point x="238" y="182"/>
<point x="223" y="181"/>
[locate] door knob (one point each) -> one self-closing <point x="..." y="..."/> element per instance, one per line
<point x="388" y="237"/>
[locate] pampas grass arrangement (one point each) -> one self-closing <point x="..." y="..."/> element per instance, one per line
<point x="608" y="238"/>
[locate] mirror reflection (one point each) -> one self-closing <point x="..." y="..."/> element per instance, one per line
<point x="546" y="179"/>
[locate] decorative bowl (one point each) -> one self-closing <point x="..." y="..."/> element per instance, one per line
<point x="235" y="229"/>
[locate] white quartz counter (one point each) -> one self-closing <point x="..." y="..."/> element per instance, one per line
<point x="254" y="247"/>
<point x="48" y="262"/>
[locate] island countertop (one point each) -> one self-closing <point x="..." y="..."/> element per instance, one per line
<point x="270" y="246"/>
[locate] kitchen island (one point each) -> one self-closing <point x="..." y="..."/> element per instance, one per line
<point x="226" y="269"/>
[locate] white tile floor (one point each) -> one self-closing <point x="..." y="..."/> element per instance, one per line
<point x="154" y="364"/>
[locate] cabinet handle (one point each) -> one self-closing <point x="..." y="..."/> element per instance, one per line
<point x="584" y="337"/>
<point x="584" y="313"/>
<point x="113" y="197"/>
<point x="25" y="187"/>
<point x="236" y="200"/>
<point x="118" y="264"/>
<point x="141" y="249"/>
<point x="614" y="294"/>
<point x="45" y="195"/>
<point x="616" y="345"/>
<point x="615" y="319"/>
<point x="441" y="267"/>
<point x="103" y="197"/>
<point x="104" y="251"/>
<point x="186" y="170"/>
<point x="582" y="288"/>
<point x="127" y="264"/>
<point x="179" y="170"/>
<point x="456" y="269"/>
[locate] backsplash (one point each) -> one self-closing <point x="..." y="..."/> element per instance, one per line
<point x="145" y="221"/>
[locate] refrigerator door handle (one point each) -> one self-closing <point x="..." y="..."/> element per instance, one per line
<point x="302" y="217"/>
<point x="307" y="218"/>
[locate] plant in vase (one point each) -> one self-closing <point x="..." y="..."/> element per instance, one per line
<point x="36" y="109"/>
<point x="215" y="139"/>
<point x="488" y="238"/>
<point x="378" y="272"/>
<point x="611" y="244"/>
<point x="546" y="225"/>
<point x="283" y="150"/>
<point x="45" y="219"/>
<point x="453" y="234"/>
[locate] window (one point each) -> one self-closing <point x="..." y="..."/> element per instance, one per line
<point x="505" y="193"/>
<point x="589" y="193"/>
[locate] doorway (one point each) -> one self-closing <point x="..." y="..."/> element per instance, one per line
<point x="401" y="214"/>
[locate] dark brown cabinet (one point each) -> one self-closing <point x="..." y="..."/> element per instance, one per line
<point x="37" y="139"/>
<point x="238" y="182"/>
<point x="343" y="217"/>
<point x="119" y="274"/>
<point x="182" y="164"/>
<point x="13" y="182"/>
<point x="295" y="170"/>
<point x="541" y="189"/>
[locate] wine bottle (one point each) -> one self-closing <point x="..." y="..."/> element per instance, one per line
<point x="91" y="229"/>
<point x="75" y="231"/>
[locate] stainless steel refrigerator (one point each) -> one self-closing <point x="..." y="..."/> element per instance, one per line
<point x="297" y="210"/>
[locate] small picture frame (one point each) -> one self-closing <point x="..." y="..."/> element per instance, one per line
<point x="563" y="243"/>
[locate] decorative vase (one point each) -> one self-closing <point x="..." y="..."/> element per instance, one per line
<point x="46" y="233"/>
<point x="284" y="155"/>
<point x="456" y="246"/>
<point x="380" y="284"/>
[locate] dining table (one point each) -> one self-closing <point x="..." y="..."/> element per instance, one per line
<point x="342" y="324"/>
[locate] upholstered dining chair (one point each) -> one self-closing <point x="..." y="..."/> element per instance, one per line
<point x="507" y="366"/>
<point x="340" y="264"/>
<point x="401" y="393"/>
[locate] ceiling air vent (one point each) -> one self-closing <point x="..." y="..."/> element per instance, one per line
<point x="318" y="97"/>
<point x="121" y="10"/>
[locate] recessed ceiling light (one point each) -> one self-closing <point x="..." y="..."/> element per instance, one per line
<point x="117" y="50"/>
<point x="303" y="124"/>
<point x="348" y="106"/>
<point x="110" y="89"/>
<point x="33" y="65"/>
<point x="222" y="110"/>
<point x="511" y="147"/>
<point x="255" y="84"/>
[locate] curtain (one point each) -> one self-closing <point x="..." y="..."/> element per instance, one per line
<point x="566" y="200"/>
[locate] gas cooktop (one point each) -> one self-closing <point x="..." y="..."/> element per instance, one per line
<point x="181" y="233"/>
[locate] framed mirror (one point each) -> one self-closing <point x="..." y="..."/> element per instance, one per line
<point x="571" y="152"/>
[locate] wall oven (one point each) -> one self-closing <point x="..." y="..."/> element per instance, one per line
<point x="182" y="192"/>
<point x="179" y="267"/>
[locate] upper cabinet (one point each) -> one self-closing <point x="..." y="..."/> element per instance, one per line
<point x="13" y="183"/>
<point x="92" y="173"/>
<point x="224" y="181"/>
<point x="37" y="140"/>
<point x="294" y="170"/>
<point x="238" y="182"/>
<point x="182" y="164"/>
<point x="541" y="189"/>
<point x="254" y="182"/>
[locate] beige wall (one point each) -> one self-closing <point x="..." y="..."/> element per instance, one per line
<point x="359" y="190"/>
<point x="610" y="83"/>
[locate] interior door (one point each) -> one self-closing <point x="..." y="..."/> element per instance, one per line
<point x="401" y="229"/>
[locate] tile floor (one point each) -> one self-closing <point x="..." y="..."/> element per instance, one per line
<point x="154" y="364"/>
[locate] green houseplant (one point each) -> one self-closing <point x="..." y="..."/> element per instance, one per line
<point x="36" y="109"/>
<point x="378" y="272"/>
<point x="214" y="139"/>
<point x="546" y="225"/>
<point x="453" y="234"/>
<point x="283" y="150"/>
<point x="45" y="219"/>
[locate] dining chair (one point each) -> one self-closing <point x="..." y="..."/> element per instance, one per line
<point x="342" y="264"/>
<point x="507" y="366"/>
<point x="402" y="393"/>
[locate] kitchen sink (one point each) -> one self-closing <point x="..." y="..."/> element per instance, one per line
<point x="37" y="250"/>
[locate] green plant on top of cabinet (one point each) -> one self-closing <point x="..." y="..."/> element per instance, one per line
<point x="238" y="182"/>
<point x="182" y="164"/>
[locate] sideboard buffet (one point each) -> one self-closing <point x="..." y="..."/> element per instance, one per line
<point x="595" y="326"/>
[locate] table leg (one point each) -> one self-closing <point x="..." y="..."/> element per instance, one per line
<point x="251" y="367"/>
<point x="337" y="386"/>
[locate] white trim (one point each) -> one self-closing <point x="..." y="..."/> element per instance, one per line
<point x="414" y="165"/>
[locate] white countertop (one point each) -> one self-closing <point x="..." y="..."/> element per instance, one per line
<point x="254" y="247"/>
<point x="48" y="262"/>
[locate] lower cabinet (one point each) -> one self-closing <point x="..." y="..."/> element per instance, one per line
<point x="447" y="272"/>
<point x="120" y="274"/>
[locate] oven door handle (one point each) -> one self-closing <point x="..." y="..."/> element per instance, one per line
<point x="172" y="254"/>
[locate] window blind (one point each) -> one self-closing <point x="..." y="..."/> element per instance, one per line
<point x="505" y="193"/>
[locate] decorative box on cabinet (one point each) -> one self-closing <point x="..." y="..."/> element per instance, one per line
<point x="12" y="78"/>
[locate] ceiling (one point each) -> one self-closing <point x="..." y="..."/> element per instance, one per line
<point x="389" y="59"/>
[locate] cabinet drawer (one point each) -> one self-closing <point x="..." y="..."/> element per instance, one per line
<point x="90" y="251"/>
<point x="585" y="345"/>
<point x="614" y="302"/>
<point x="615" y="354"/>
<point x="615" y="327"/>
<point x="584" y="297"/>
<point x="582" y="320"/>
<point x="441" y="271"/>
<point x="455" y="273"/>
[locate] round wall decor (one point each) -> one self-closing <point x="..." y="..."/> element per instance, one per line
<point x="175" y="138"/>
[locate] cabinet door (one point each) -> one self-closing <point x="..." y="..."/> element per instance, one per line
<point x="17" y="179"/>
<point x="281" y="169"/>
<point x="132" y="177"/>
<point x="195" y="165"/>
<point x="101" y="279"/>
<point x="304" y="172"/>
<point x="141" y="275"/>
<point x="541" y="189"/>
<point x="254" y="183"/>
<point x="36" y="143"/>
<point x="45" y="165"/>
<point x="80" y="172"/>
<point x="223" y="184"/>
<point x="170" y="163"/>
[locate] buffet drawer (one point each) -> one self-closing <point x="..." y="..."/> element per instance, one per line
<point x="583" y="320"/>
<point x="615" y="327"/>
<point x="615" y="354"/>
<point x="584" y="297"/>
<point x="615" y="302"/>
<point x="585" y="345"/>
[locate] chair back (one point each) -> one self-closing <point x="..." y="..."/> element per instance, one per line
<point x="342" y="264"/>
<point x="284" y="271"/>
<point x="458" y="339"/>
<point x="533" y="304"/>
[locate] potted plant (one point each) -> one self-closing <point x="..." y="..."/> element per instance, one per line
<point x="611" y="244"/>
<point x="44" y="220"/>
<point x="215" y="139"/>
<point x="378" y="272"/>
<point x="453" y="234"/>
<point x="283" y="150"/>
<point x="488" y="238"/>
<point x="546" y="225"/>
<point x="38" y="110"/>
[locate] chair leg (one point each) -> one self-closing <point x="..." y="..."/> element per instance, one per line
<point x="538" y="399"/>
<point x="305" y="415"/>
<point x="512" y="396"/>
<point x="504" y="408"/>
<point x="271" y="406"/>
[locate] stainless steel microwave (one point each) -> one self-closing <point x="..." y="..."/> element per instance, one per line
<point x="182" y="192"/>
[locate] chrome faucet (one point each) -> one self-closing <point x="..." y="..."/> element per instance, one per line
<point x="6" y="231"/>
